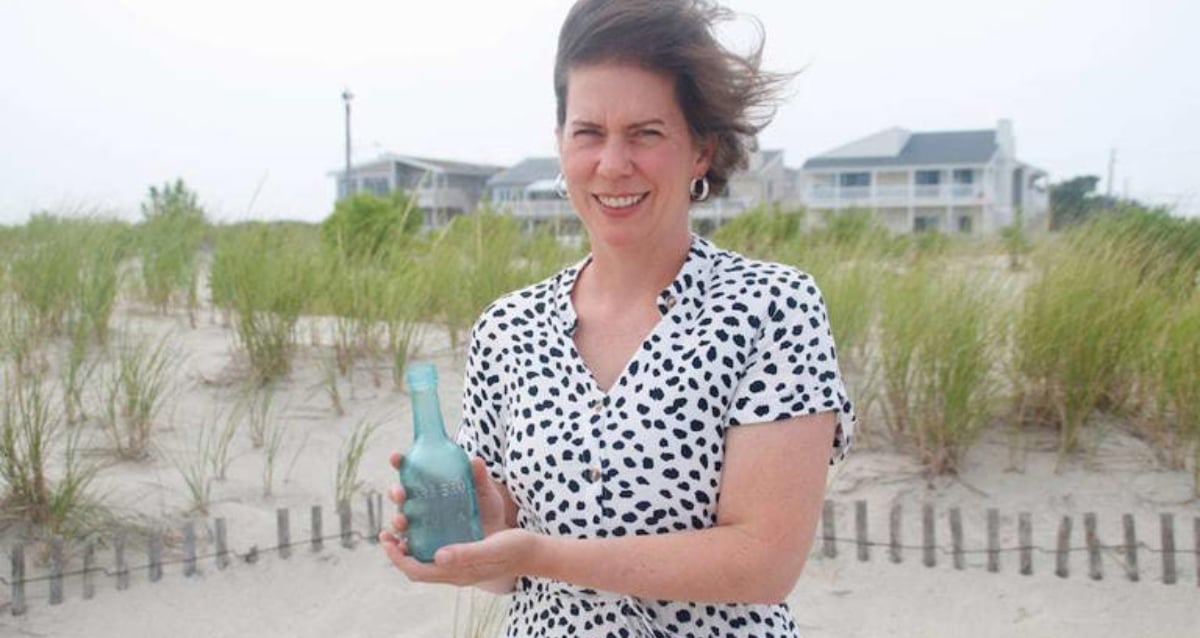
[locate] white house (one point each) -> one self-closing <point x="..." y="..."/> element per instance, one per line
<point x="443" y="188"/>
<point x="949" y="181"/>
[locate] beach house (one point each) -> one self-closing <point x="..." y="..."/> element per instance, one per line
<point x="966" y="182"/>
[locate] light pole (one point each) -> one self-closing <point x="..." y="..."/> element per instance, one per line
<point x="346" y="97"/>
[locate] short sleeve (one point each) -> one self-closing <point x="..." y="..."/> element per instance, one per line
<point x="482" y="432"/>
<point x="793" y="369"/>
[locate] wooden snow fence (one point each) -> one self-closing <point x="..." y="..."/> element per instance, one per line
<point x="1125" y="553"/>
<point x="188" y="556"/>
<point x="978" y="537"/>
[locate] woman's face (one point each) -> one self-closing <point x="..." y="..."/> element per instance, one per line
<point x="627" y="154"/>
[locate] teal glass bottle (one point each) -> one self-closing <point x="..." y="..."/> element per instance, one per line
<point x="440" y="501"/>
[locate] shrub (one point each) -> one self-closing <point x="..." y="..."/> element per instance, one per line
<point x="367" y="226"/>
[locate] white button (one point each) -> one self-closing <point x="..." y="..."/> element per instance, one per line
<point x="670" y="301"/>
<point x="594" y="474"/>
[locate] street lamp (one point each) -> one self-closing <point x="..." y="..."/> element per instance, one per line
<point x="346" y="97"/>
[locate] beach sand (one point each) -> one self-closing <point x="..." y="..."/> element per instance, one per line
<point x="355" y="592"/>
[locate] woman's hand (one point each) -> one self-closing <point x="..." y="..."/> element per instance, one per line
<point x="499" y="558"/>
<point x="492" y="563"/>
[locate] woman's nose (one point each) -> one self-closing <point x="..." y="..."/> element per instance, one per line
<point x="615" y="158"/>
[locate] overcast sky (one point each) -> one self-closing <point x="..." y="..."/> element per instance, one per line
<point x="99" y="99"/>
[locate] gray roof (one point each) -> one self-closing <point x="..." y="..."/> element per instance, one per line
<point x="923" y="149"/>
<point x="527" y="171"/>
<point x="423" y="163"/>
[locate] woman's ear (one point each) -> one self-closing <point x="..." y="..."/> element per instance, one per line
<point x="707" y="148"/>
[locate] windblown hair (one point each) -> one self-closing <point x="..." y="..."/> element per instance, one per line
<point x="725" y="97"/>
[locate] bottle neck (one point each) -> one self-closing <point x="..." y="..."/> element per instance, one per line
<point x="427" y="415"/>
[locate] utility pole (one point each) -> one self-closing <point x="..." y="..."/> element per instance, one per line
<point x="346" y="97"/>
<point x="1112" y="167"/>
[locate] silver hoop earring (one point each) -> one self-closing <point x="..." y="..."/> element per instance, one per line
<point x="700" y="183"/>
<point x="560" y="186"/>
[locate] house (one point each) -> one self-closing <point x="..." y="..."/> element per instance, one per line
<point x="443" y="189"/>
<point x="950" y="181"/>
<point x="527" y="191"/>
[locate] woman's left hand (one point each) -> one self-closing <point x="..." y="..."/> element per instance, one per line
<point x="505" y="554"/>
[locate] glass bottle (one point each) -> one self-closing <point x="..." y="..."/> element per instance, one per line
<point x="439" y="490"/>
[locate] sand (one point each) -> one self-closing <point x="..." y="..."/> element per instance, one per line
<point x="355" y="592"/>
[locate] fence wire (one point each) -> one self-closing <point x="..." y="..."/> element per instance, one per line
<point x="254" y="553"/>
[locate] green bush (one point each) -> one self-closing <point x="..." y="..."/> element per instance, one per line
<point x="367" y="226"/>
<point x="170" y="237"/>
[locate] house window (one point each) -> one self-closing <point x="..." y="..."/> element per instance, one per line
<point x="926" y="223"/>
<point x="964" y="224"/>
<point x="928" y="178"/>
<point x="376" y="185"/>
<point x="964" y="176"/>
<point x="855" y="179"/>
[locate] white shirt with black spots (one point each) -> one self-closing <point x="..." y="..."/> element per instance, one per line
<point x="740" y="341"/>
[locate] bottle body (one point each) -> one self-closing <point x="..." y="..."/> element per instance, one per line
<point x="440" y="502"/>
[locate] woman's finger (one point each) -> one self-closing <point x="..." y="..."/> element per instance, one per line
<point x="394" y="459"/>
<point x="400" y="522"/>
<point x="396" y="494"/>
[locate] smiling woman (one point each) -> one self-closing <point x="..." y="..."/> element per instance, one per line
<point x="652" y="427"/>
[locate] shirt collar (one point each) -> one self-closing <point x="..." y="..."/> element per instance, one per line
<point x="686" y="289"/>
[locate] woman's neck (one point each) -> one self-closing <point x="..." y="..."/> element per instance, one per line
<point x="631" y="274"/>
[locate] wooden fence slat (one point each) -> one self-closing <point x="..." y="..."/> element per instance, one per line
<point x="1063" y="566"/>
<point x="56" y="570"/>
<point x="380" y="522"/>
<point x="1095" y="571"/>
<point x="829" y="530"/>
<point x="222" y="545"/>
<point x="372" y="519"/>
<point x="1168" y="548"/>
<point x="894" y="549"/>
<point x="18" y="580"/>
<point x="993" y="536"/>
<point x="344" y="517"/>
<point x="1131" y="548"/>
<point x="928" y="535"/>
<point x="89" y="567"/>
<point x="318" y="540"/>
<point x="1025" y="540"/>
<point x="189" y="548"/>
<point x="284" y="532"/>
<point x="119" y="558"/>
<point x="860" y="530"/>
<point x="156" y="547"/>
<point x="956" y="537"/>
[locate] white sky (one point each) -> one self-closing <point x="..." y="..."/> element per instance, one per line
<point x="99" y="99"/>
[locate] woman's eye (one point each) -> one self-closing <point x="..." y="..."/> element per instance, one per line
<point x="649" y="132"/>
<point x="586" y="132"/>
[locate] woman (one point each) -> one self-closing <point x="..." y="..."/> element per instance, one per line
<point x="652" y="427"/>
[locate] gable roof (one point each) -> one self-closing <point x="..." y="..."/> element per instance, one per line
<point x="898" y="147"/>
<point x="527" y="171"/>
<point x="425" y="164"/>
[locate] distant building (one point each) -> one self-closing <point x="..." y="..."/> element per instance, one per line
<point x="952" y="181"/>
<point x="443" y="189"/>
<point x="527" y="191"/>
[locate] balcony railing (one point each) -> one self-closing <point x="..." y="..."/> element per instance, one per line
<point x="826" y="193"/>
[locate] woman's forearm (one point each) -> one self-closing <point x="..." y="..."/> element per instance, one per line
<point x="723" y="564"/>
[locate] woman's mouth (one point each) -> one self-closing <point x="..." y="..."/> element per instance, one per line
<point x="618" y="202"/>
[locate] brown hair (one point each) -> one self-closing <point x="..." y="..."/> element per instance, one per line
<point x="725" y="97"/>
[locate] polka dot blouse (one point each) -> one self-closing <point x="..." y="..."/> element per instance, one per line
<point x="740" y="341"/>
